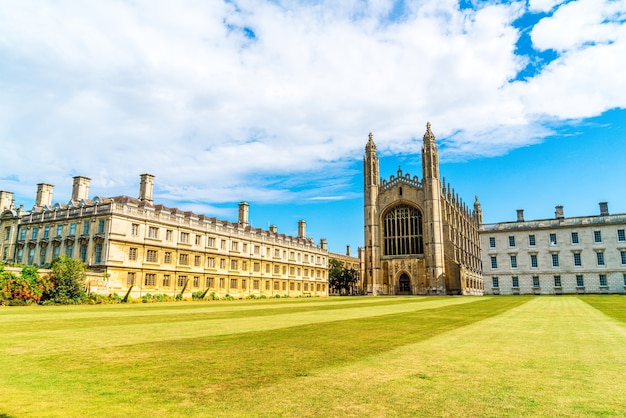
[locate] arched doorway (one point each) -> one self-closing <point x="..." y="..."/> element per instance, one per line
<point x="404" y="285"/>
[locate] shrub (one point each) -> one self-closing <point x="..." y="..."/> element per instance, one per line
<point x="115" y="298"/>
<point x="162" y="298"/>
<point x="68" y="278"/>
<point x="24" y="288"/>
<point x="199" y="295"/>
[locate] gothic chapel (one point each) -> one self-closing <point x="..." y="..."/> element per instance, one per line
<point x="420" y="238"/>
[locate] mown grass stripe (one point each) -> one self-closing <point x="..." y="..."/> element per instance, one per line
<point x="9" y="315"/>
<point x="612" y="305"/>
<point x="226" y="374"/>
<point x="30" y="341"/>
<point x="550" y="357"/>
<point x="129" y="316"/>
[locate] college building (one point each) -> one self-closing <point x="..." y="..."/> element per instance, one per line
<point x="139" y="247"/>
<point x="576" y="255"/>
<point x="420" y="237"/>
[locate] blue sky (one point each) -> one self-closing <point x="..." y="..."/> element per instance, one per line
<point x="271" y="102"/>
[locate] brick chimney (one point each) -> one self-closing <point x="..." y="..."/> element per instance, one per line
<point x="80" y="188"/>
<point x="6" y="200"/>
<point x="604" y="208"/>
<point x="44" y="194"/>
<point x="244" y="210"/>
<point x="301" y="229"/>
<point x="558" y="212"/>
<point x="146" y="185"/>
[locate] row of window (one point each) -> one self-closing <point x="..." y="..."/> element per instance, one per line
<point x="47" y="230"/>
<point x="574" y="238"/>
<point x="184" y="259"/>
<point x="56" y="252"/>
<point x="580" y="281"/>
<point x="150" y="279"/>
<point x="184" y="237"/>
<point x="577" y="259"/>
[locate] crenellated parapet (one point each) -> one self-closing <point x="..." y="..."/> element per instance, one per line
<point x="400" y="179"/>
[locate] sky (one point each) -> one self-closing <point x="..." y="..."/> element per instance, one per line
<point x="271" y="102"/>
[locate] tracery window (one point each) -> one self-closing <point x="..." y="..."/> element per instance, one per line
<point x="402" y="231"/>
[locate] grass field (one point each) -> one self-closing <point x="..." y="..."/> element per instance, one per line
<point x="386" y="356"/>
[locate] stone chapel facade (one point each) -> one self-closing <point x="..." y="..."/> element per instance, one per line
<point x="420" y="237"/>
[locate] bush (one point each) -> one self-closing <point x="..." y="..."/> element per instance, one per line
<point x="24" y="288"/>
<point x="68" y="278"/>
<point x="199" y="295"/>
<point x="162" y="298"/>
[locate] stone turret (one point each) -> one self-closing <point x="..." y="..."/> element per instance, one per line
<point x="433" y="234"/>
<point x="478" y="212"/>
<point x="372" y="280"/>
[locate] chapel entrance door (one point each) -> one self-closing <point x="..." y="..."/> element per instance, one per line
<point x="404" y="285"/>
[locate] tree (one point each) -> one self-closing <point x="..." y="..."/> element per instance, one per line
<point x="68" y="277"/>
<point x="341" y="278"/>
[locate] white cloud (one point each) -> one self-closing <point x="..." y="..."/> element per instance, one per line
<point x="543" y="5"/>
<point x="220" y="99"/>
<point x="586" y="77"/>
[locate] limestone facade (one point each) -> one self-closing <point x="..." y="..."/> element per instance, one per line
<point x="574" y="255"/>
<point x="420" y="238"/>
<point x="142" y="247"/>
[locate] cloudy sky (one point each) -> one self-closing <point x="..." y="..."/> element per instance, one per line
<point x="271" y="102"/>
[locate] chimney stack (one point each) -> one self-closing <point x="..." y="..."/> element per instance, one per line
<point x="323" y="244"/>
<point x="559" y="212"/>
<point x="273" y="229"/>
<point x="80" y="188"/>
<point x="244" y="209"/>
<point x="520" y="215"/>
<point x="604" y="208"/>
<point x="44" y="194"/>
<point x="301" y="229"/>
<point x="145" y="188"/>
<point x="348" y="250"/>
<point x="6" y="200"/>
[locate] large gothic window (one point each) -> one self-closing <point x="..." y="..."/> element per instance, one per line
<point x="402" y="231"/>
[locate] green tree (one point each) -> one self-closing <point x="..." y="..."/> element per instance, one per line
<point x="340" y="278"/>
<point x="68" y="277"/>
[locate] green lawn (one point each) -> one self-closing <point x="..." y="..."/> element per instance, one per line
<point x="367" y="356"/>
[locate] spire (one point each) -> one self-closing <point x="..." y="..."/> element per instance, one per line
<point x="429" y="136"/>
<point x="371" y="146"/>
<point x="478" y="212"/>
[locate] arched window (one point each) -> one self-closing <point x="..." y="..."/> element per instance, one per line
<point x="402" y="231"/>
